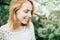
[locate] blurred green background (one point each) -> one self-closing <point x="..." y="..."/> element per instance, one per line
<point x="46" y="18"/>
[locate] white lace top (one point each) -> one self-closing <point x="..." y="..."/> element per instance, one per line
<point x="25" y="34"/>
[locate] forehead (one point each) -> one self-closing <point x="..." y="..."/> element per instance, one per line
<point x="27" y="5"/>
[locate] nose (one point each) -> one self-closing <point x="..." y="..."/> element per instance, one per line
<point x="29" y="14"/>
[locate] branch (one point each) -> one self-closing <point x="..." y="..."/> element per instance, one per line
<point x="42" y="17"/>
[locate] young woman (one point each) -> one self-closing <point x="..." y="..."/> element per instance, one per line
<point x="19" y="26"/>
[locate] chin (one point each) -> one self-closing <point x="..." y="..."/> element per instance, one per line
<point x="24" y="23"/>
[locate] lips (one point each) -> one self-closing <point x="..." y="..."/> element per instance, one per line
<point x="26" y="20"/>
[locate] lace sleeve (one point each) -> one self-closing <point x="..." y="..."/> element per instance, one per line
<point x="1" y="35"/>
<point x="2" y="32"/>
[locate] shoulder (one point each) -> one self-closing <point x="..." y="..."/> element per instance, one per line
<point x="31" y="25"/>
<point x="3" y="27"/>
<point x="1" y="35"/>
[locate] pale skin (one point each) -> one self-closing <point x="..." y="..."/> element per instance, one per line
<point x="24" y="14"/>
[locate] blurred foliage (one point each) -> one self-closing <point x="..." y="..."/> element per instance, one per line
<point x="4" y="11"/>
<point x="46" y="18"/>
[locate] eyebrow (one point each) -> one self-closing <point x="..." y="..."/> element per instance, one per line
<point x="28" y="10"/>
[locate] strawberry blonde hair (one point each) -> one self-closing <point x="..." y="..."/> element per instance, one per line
<point x="15" y="5"/>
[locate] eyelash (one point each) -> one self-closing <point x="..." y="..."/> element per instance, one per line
<point x="26" y="11"/>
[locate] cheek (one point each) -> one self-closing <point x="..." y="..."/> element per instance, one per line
<point x="20" y="15"/>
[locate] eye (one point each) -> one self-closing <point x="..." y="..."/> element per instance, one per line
<point x="26" y="11"/>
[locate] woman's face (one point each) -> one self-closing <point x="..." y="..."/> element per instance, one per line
<point x="24" y="13"/>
